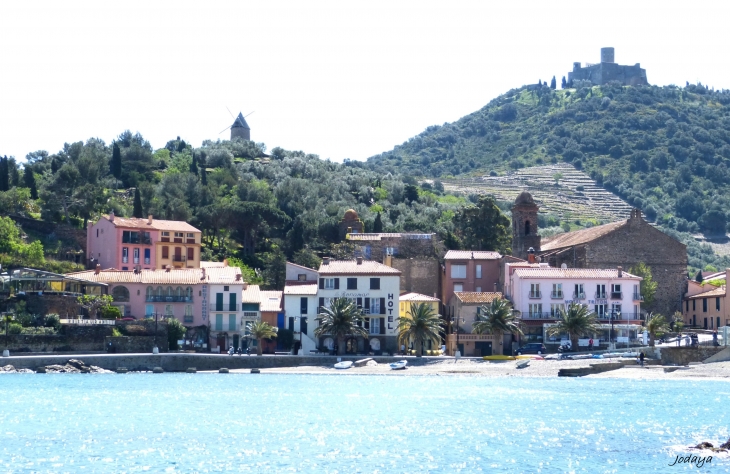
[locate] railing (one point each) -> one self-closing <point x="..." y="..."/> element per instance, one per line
<point x="164" y="239"/>
<point x="638" y="297"/>
<point x="168" y="299"/>
<point x="125" y="259"/>
<point x="536" y="315"/>
<point x="600" y="296"/>
<point x="556" y="295"/>
<point x="136" y="260"/>
<point x="188" y="319"/>
<point x="617" y="295"/>
<point x="138" y="240"/>
<point x="535" y="295"/>
<point x="189" y="241"/>
<point x="178" y="240"/>
<point x="579" y="296"/>
<point x="224" y="307"/>
<point x="620" y="317"/>
<point x="179" y="258"/>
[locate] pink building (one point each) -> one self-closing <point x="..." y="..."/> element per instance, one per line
<point x="127" y="243"/>
<point x="469" y="271"/>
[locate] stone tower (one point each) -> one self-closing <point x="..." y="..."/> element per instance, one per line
<point x="350" y="223"/>
<point x="240" y="128"/>
<point x="524" y="226"/>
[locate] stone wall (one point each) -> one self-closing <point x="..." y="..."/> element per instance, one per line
<point x="134" y="344"/>
<point x="50" y="343"/>
<point x="685" y="355"/>
<point x="419" y="275"/>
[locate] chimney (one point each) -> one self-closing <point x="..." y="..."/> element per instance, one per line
<point x="225" y="262"/>
<point x="349" y="230"/>
<point x="531" y="256"/>
<point x="149" y="219"/>
<point x="238" y="277"/>
<point x="97" y="269"/>
<point x="111" y="216"/>
<point x="620" y="272"/>
<point x="202" y="273"/>
<point x="388" y="260"/>
<point x="359" y="260"/>
<point x="325" y="261"/>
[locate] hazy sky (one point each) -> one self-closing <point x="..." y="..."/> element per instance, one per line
<point x="342" y="79"/>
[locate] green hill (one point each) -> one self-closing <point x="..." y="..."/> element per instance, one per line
<point x="665" y="150"/>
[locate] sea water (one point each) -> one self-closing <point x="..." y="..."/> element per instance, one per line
<point x="345" y="424"/>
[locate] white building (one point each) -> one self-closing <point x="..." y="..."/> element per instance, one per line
<point x="374" y="287"/>
<point x="540" y="293"/>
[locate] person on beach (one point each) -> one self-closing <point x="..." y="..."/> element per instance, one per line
<point x="714" y="339"/>
<point x="590" y="344"/>
<point x="641" y="358"/>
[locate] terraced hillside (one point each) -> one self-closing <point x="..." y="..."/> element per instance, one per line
<point x="565" y="199"/>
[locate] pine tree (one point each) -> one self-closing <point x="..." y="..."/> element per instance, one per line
<point x="4" y="174"/>
<point x="563" y="84"/>
<point x="699" y="278"/>
<point x="539" y="82"/>
<point x="29" y="179"/>
<point x="194" y="166"/>
<point x="203" y="176"/>
<point x="553" y="83"/>
<point x="137" y="212"/>
<point x="54" y="165"/>
<point x="116" y="163"/>
<point x="378" y="224"/>
<point x="13" y="175"/>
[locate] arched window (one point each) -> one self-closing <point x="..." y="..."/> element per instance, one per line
<point x="120" y="293"/>
<point x="527" y="227"/>
<point x="159" y="291"/>
<point x="169" y="291"/>
<point x="150" y="293"/>
<point x="189" y="293"/>
<point x="178" y="292"/>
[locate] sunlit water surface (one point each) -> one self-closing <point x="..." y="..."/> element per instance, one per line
<point x="326" y="424"/>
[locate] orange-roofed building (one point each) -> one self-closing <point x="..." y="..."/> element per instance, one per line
<point x="462" y="311"/>
<point x="129" y="243"/>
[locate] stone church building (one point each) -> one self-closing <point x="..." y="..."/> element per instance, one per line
<point x="623" y="243"/>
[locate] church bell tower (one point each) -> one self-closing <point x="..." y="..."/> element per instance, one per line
<point x="524" y="226"/>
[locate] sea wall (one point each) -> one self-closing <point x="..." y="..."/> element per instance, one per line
<point x="180" y="362"/>
<point x="685" y="355"/>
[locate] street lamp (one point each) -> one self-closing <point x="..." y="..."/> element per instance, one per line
<point x="454" y="319"/>
<point x="155" y="349"/>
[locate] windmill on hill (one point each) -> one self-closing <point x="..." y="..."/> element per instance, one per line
<point x="239" y="128"/>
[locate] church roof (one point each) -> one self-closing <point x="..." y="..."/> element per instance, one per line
<point x="579" y="237"/>
<point x="524" y="198"/>
<point x="240" y="122"/>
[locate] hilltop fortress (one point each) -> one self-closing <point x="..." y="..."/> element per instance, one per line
<point x="607" y="70"/>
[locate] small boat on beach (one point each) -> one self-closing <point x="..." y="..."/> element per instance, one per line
<point x="521" y="364"/>
<point x="345" y="364"/>
<point x="498" y="357"/>
<point x="400" y="365"/>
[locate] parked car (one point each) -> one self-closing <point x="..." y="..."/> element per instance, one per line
<point x="532" y="348"/>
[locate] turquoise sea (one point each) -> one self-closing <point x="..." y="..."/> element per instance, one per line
<point x="347" y="424"/>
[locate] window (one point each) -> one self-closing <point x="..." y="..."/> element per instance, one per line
<point x="458" y="287"/>
<point x="601" y="292"/>
<point x="125" y="255"/>
<point x="479" y="271"/>
<point x="218" y="322"/>
<point x="527" y="227"/>
<point x="120" y="294"/>
<point x="535" y="290"/>
<point x="374" y="325"/>
<point x="146" y="256"/>
<point x="231" y="322"/>
<point x="191" y="253"/>
<point x="375" y="283"/>
<point x="331" y="283"/>
<point x="717" y="306"/>
<point x="600" y="310"/>
<point x="704" y="305"/>
<point x="302" y="277"/>
<point x="226" y="288"/>
<point x="189" y="294"/>
<point x="458" y="271"/>
<point x="250" y="314"/>
<point x="303" y="305"/>
<point x="191" y="235"/>
<point x="557" y="290"/>
<point x="165" y="236"/>
<point x="686" y="305"/>
<point x="535" y="310"/>
<point x="616" y="310"/>
<point x="165" y="252"/>
<point x="168" y="310"/>
<point x="479" y="289"/>
<point x="135" y="252"/>
<point x="352" y="283"/>
<point x="149" y="310"/>
<point x="375" y="305"/>
<point x="694" y="305"/>
<point x="129" y="237"/>
<point x="188" y="313"/>
<point x="578" y="293"/>
<point x="556" y="309"/>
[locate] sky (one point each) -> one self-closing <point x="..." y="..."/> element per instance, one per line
<point x="338" y="79"/>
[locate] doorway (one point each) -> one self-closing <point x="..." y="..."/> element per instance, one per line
<point x="221" y="342"/>
<point x="482" y="348"/>
<point x="351" y="346"/>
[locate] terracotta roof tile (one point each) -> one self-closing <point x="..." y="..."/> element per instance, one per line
<point x="271" y="300"/>
<point x="386" y="235"/>
<point x="579" y="236"/>
<point x="351" y="267"/>
<point x="550" y="272"/>
<point x="416" y="297"/>
<point x="157" y="224"/>
<point x="187" y="276"/>
<point x="308" y="289"/>
<point x="252" y="294"/>
<point x="719" y="291"/>
<point x="468" y="254"/>
<point x="471" y="297"/>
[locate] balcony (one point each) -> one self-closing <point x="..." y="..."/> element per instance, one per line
<point x="136" y="240"/>
<point x="556" y="295"/>
<point x="188" y="319"/>
<point x="164" y="239"/>
<point x="627" y="316"/>
<point x="617" y="295"/>
<point x="224" y="307"/>
<point x="189" y="241"/>
<point x="638" y="297"/>
<point x="579" y="296"/>
<point x="536" y="315"/>
<point x="535" y="295"/>
<point x="168" y="299"/>
<point x="179" y="258"/>
<point x="600" y="296"/>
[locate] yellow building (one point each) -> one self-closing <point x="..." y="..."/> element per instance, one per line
<point x="406" y="300"/>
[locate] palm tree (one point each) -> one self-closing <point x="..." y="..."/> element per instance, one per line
<point x="420" y="324"/>
<point x="260" y="330"/>
<point x="577" y="321"/>
<point x="655" y="324"/>
<point x="343" y="318"/>
<point x="497" y="318"/>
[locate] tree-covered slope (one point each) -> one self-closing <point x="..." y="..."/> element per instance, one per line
<point x="665" y="150"/>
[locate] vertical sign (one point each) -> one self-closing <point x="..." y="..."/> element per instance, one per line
<point x="205" y="303"/>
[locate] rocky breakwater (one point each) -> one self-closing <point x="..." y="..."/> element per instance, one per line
<point x="73" y="366"/>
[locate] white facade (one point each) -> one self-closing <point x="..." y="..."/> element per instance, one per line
<point x="223" y="307"/>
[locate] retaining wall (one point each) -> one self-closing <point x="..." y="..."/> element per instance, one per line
<point x="685" y="355"/>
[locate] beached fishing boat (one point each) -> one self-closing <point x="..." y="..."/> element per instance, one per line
<point x="345" y="364"/>
<point x="400" y="365"/>
<point x="521" y="364"/>
<point x="498" y="357"/>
